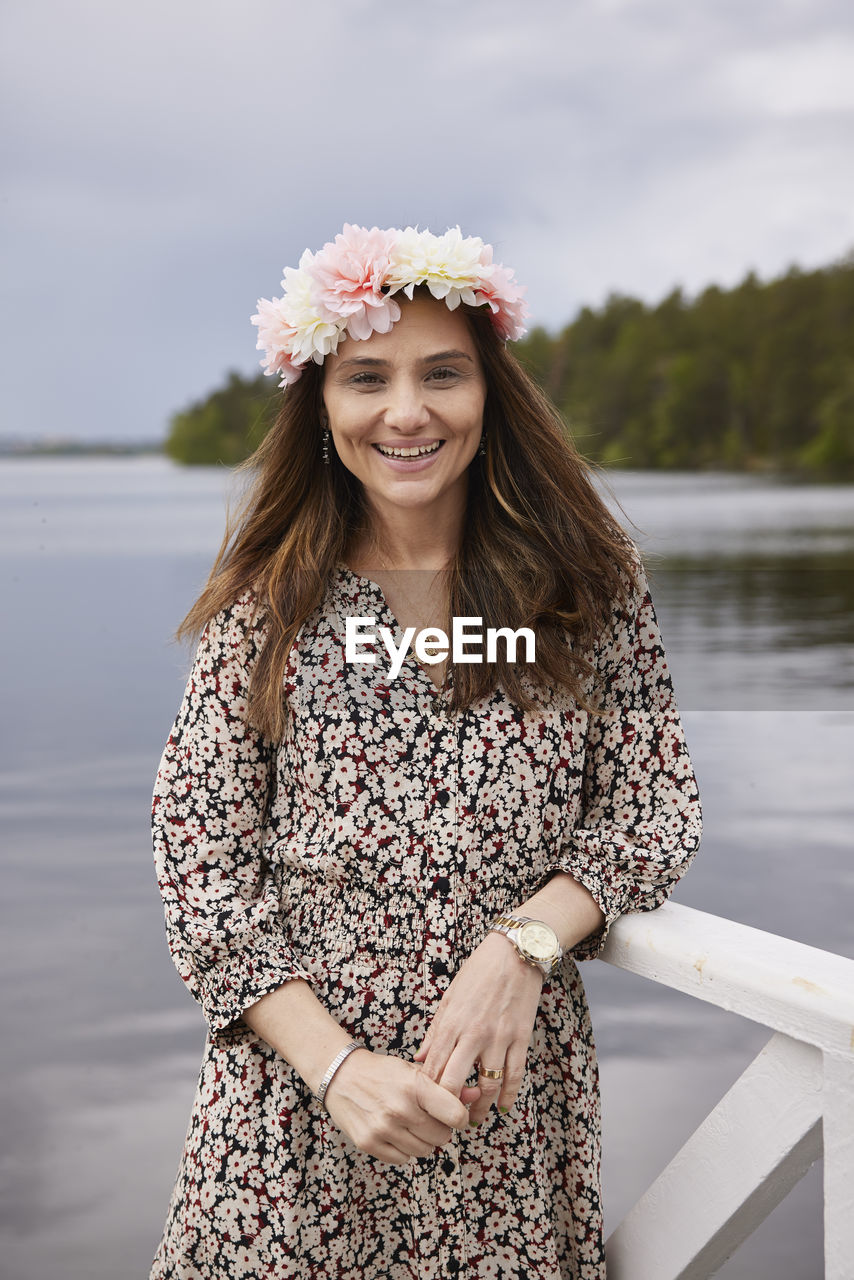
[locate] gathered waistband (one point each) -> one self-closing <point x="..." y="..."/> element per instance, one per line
<point x="345" y="919"/>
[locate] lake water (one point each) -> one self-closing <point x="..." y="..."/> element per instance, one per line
<point x="99" y="559"/>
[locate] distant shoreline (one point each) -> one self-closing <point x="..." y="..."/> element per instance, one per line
<point x="78" y="448"/>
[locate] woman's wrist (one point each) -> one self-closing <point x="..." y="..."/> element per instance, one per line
<point x="534" y="941"/>
<point x="567" y="907"/>
<point x="332" y="1070"/>
<point x="507" y="953"/>
<point x="293" y="1021"/>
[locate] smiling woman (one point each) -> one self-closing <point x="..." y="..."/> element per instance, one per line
<point x="378" y="875"/>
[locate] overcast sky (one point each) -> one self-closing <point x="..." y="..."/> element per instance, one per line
<point x="164" y="160"/>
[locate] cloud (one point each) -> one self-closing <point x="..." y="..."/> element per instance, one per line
<point x="794" y="80"/>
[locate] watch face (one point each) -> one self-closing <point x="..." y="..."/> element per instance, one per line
<point x="538" y="940"/>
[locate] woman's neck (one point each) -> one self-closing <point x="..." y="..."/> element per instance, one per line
<point x="409" y="540"/>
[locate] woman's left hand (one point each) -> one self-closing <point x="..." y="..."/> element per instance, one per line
<point x="486" y="1016"/>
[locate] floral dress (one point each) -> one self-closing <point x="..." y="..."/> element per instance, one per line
<point x="367" y="853"/>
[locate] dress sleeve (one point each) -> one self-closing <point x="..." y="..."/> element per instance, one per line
<point x="209" y="812"/>
<point x="640" y="821"/>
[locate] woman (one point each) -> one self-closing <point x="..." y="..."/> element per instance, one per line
<point x="379" y="863"/>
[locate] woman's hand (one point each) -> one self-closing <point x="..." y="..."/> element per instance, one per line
<point x="392" y="1109"/>
<point x="486" y="1016"/>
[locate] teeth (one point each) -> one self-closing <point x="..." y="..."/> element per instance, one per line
<point x="419" y="452"/>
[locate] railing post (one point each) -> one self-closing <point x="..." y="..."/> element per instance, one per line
<point x="744" y="1158"/>
<point x="838" y="1108"/>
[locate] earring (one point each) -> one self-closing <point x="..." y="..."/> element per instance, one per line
<point x="482" y="446"/>
<point x="324" y="448"/>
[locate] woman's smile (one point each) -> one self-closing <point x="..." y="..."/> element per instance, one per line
<point x="409" y="451"/>
<point x="409" y="457"/>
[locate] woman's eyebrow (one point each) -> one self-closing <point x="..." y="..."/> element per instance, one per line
<point x="371" y="362"/>
<point x="447" y="355"/>
<point x="362" y="361"/>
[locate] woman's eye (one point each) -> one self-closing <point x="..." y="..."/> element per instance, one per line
<point x="443" y="374"/>
<point x="365" y="379"/>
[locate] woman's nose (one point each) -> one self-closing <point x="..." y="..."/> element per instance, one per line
<point x="406" y="408"/>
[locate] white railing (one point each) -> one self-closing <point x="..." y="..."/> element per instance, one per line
<point x="794" y="1102"/>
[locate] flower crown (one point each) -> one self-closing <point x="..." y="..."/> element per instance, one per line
<point x="347" y="290"/>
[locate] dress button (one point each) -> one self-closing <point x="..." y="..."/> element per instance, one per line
<point x="453" y="1266"/>
<point x="448" y="1166"/>
<point x="436" y="705"/>
<point x="442" y="797"/>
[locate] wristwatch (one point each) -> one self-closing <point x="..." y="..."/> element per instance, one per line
<point x="535" y="941"/>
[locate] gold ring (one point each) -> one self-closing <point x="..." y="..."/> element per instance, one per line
<point x="485" y="1074"/>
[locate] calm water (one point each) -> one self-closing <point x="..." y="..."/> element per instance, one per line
<point x="98" y="561"/>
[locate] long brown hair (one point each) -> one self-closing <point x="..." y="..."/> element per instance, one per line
<point x="539" y="547"/>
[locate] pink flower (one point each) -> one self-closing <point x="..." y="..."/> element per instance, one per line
<point x="275" y="336"/>
<point x="348" y="275"/>
<point x="498" y="287"/>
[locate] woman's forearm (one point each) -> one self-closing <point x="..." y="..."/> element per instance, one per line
<point x="567" y="906"/>
<point x="294" y="1022"/>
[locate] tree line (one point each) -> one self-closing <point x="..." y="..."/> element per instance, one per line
<point x="757" y="377"/>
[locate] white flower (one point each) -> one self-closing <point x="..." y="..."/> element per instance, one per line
<point x="450" y="265"/>
<point x="314" y="337"/>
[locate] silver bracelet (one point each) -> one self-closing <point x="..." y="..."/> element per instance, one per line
<point x="333" y="1067"/>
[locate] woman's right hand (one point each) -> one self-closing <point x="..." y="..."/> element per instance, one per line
<point x="391" y="1109"/>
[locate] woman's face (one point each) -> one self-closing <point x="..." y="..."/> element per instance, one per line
<point x="405" y="408"/>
